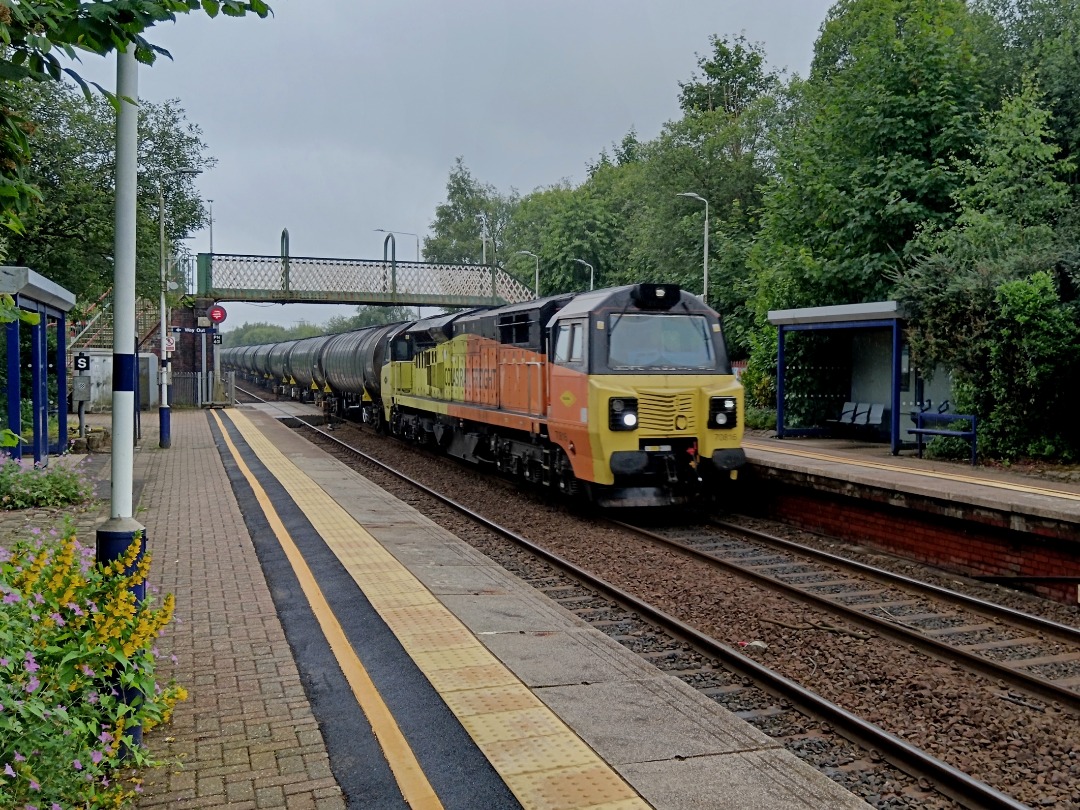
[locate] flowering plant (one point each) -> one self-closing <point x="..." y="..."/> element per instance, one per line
<point x="77" y="661"/>
<point x="23" y="485"/>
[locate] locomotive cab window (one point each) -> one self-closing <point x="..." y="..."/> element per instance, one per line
<point x="640" y="341"/>
<point x="570" y="343"/>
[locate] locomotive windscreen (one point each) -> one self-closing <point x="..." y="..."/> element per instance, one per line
<point x="641" y="341"/>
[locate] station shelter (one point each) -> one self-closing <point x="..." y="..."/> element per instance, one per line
<point x="34" y="293"/>
<point x="867" y="362"/>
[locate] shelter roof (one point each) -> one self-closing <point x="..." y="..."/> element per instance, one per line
<point x="25" y="282"/>
<point x="844" y="313"/>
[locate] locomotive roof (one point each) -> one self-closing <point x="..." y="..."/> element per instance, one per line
<point x="624" y="298"/>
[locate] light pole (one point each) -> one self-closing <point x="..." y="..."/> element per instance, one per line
<point x="705" y="255"/>
<point x="164" y="420"/>
<point x="211" y="226"/>
<point x="404" y="233"/>
<point x="536" y="280"/>
<point x="591" y="273"/>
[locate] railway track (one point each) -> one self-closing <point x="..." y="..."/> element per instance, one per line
<point x="724" y="672"/>
<point x="1034" y="655"/>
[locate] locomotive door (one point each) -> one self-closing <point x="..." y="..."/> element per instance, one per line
<point x="568" y="392"/>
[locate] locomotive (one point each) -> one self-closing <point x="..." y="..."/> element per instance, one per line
<point x="623" y="395"/>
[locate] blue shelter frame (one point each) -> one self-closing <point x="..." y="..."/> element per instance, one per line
<point x="35" y="293"/>
<point x="877" y="315"/>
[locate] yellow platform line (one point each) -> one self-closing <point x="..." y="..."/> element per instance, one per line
<point x="541" y="760"/>
<point x="878" y="465"/>
<point x="410" y="777"/>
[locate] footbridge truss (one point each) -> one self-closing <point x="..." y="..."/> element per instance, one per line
<point x="297" y="279"/>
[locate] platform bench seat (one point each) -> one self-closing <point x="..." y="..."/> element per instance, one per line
<point x="924" y="426"/>
<point x="860" y="415"/>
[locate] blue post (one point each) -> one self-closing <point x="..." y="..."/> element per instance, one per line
<point x="38" y="399"/>
<point x="780" y="383"/>
<point x="61" y="382"/>
<point x="14" y="388"/>
<point x="894" y="417"/>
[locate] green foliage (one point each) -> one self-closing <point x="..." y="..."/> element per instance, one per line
<point x="68" y="237"/>
<point x="254" y="334"/>
<point x="31" y="34"/>
<point x="1033" y="372"/>
<point x="369" y="316"/>
<point x="72" y="642"/>
<point x="472" y="213"/>
<point x="892" y="101"/>
<point x="23" y="485"/>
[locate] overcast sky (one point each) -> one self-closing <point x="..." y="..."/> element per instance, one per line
<point x="336" y="117"/>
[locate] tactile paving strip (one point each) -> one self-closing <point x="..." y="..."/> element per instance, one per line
<point x="544" y="763"/>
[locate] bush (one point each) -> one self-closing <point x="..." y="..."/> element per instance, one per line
<point x="73" y="644"/>
<point x="25" y="486"/>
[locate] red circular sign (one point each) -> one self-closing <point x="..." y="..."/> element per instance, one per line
<point x="217" y="314"/>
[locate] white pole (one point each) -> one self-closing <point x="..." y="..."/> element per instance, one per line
<point x="705" y="289"/>
<point x="124" y="360"/>
<point x="164" y="422"/>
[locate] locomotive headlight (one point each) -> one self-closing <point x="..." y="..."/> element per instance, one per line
<point x="723" y="412"/>
<point x="622" y="413"/>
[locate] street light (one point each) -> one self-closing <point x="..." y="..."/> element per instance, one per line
<point x="164" y="421"/>
<point x="705" y="255"/>
<point x="404" y="233"/>
<point x="591" y="273"/>
<point x="536" y="280"/>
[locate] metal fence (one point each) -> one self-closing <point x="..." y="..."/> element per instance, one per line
<point x="194" y="389"/>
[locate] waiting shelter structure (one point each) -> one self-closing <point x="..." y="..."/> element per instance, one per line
<point x="35" y="293"/>
<point x="880" y="316"/>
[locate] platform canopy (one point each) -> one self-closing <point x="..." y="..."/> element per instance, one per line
<point x="35" y="293"/>
<point x="22" y="282"/>
<point x="872" y="315"/>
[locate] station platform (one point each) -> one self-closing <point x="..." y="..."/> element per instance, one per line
<point x="341" y="650"/>
<point x="1018" y="527"/>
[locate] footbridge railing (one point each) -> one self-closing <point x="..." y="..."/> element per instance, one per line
<point x="296" y="279"/>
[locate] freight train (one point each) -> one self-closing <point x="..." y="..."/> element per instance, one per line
<point x="625" y="395"/>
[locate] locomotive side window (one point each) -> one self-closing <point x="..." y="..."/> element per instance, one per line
<point x="641" y="341"/>
<point x="570" y="343"/>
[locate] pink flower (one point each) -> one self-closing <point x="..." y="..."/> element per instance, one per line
<point x="3" y="662"/>
<point x="32" y="684"/>
<point x="19" y="757"/>
<point x="8" y="770"/>
<point x="76" y="765"/>
<point x="34" y="785"/>
<point x="31" y="663"/>
<point x="105" y="737"/>
<point x="56" y="617"/>
<point x="9" y="598"/>
<point x="95" y="757"/>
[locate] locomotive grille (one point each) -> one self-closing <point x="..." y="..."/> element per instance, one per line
<point x="660" y="413"/>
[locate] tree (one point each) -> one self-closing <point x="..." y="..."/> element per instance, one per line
<point x="369" y="316"/>
<point x="892" y="101"/>
<point x="31" y="32"/>
<point x="68" y="236"/>
<point x="472" y="212"/>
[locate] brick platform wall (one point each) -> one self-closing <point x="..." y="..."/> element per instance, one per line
<point x="978" y="543"/>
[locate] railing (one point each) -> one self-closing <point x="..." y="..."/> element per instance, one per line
<point x="193" y="389"/>
<point x="295" y="279"/>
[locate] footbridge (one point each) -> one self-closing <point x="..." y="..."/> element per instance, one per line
<point x="296" y="279"/>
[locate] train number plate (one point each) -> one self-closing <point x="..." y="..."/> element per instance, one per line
<point x="658" y="448"/>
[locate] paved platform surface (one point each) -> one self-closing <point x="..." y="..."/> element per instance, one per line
<point x="1054" y="497"/>
<point x="248" y="736"/>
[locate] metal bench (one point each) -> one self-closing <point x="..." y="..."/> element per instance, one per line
<point x="923" y="428"/>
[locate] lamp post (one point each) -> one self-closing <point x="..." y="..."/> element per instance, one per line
<point x="536" y="279"/>
<point x="164" y="419"/>
<point x="705" y="255"/>
<point x="211" y="226"/>
<point x="404" y="233"/>
<point x="591" y="273"/>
